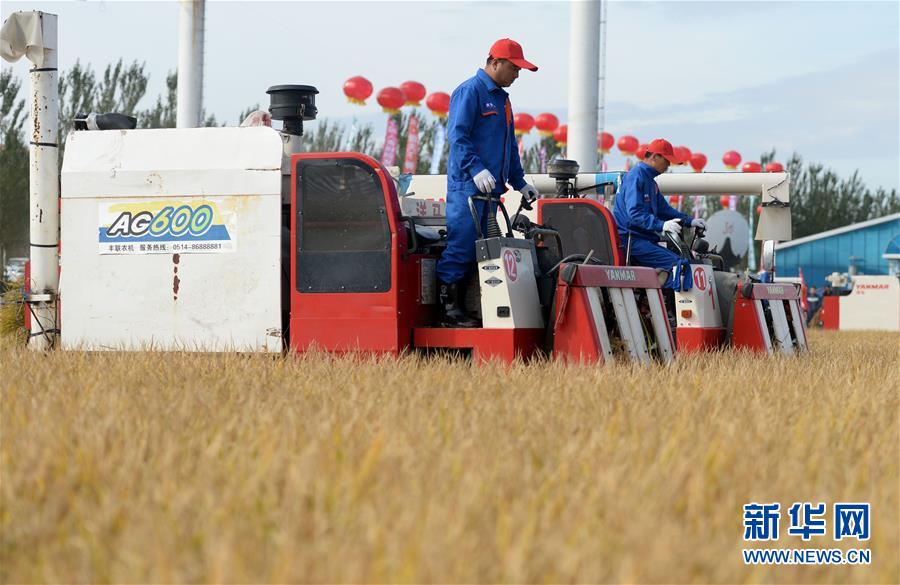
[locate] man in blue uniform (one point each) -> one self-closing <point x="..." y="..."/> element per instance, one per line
<point x="641" y="211"/>
<point x="484" y="157"/>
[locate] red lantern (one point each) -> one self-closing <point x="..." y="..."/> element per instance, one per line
<point x="439" y="103"/>
<point x="673" y="200"/>
<point x="561" y="135"/>
<point x="628" y="145"/>
<point x="414" y="92"/>
<point x="641" y="151"/>
<point x="605" y="142"/>
<point x="751" y="167"/>
<point x="774" y="167"/>
<point x="682" y="154"/>
<point x="523" y="123"/>
<point x="698" y="161"/>
<point x="731" y="159"/>
<point x="546" y="124"/>
<point x="724" y="200"/>
<point x="758" y="209"/>
<point x="391" y="99"/>
<point x="357" y="89"/>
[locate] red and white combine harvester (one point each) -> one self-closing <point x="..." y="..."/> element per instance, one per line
<point x="860" y="302"/>
<point x="230" y="239"/>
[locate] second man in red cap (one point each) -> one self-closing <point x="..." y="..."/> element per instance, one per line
<point x="642" y="213"/>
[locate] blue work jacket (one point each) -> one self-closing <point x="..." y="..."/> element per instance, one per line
<point x="482" y="136"/>
<point x="640" y="209"/>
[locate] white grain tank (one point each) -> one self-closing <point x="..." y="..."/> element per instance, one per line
<point x="171" y="239"/>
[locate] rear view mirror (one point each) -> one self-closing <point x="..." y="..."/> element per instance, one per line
<point x="767" y="259"/>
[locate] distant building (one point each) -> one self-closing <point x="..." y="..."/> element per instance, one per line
<point x="869" y="247"/>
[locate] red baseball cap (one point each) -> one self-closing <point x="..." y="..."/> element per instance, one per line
<point x="511" y="51"/>
<point x="663" y="148"/>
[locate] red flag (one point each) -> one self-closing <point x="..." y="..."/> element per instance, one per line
<point x="411" y="160"/>
<point x="804" y="302"/>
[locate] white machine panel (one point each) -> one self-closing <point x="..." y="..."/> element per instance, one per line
<point x="702" y="300"/>
<point x="874" y="303"/>
<point x="509" y="296"/>
<point x="171" y="240"/>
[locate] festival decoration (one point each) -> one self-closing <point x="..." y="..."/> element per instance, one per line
<point x="523" y="123"/>
<point x="751" y="167"/>
<point x="546" y="123"/>
<point x="438" y="103"/>
<point x="391" y="143"/>
<point x="411" y="158"/>
<point x="641" y="151"/>
<point x="698" y="161"/>
<point x="628" y="145"/>
<point x="414" y="93"/>
<point x="391" y="99"/>
<point x="561" y="135"/>
<point x="605" y="142"/>
<point x="682" y="154"/>
<point x="357" y="89"/>
<point x="732" y="159"/>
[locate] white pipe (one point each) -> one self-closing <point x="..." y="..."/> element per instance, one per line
<point x="190" y="63"/>
<point x="761" y="184"/>
<point x="35" y="34"/>
<point x="584" y="82"/>
<point x="601" y="110"/>
<point x="43" y="156"/>
<point x="772" y="188"/>
<point x="769" y="186"/>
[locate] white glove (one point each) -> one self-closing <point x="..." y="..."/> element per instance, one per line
<point x="529" y="195"/>
<point x="485" y="181"/>
<point x="672" y="226"/>
<point x="698" y="223"/>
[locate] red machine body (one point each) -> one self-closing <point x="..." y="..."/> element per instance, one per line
<point x="349" y="311"/>
<point x="596" y="304"/>
<point x="768" y="319"/>
<point x="831" y="312"/>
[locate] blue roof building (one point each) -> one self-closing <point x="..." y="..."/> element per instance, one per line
<point x="869" y="247"/>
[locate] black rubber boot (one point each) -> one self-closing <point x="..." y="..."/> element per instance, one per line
<point x="452" y="300"/>
<point x="671" y="311"/>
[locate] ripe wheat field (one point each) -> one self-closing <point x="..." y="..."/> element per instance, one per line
<point x="152" y="467"/>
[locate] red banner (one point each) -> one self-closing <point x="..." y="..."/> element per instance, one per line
<point x="412" y="146"/>
<point x="389" y="154"/>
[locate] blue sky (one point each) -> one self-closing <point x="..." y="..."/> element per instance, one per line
<point x="819" y="78"/>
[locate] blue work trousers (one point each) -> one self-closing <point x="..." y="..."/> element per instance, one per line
<point x="459" y="257"/>
<point x="646" y="253"/>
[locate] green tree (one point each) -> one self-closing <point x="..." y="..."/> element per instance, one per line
<point x="13" y="169"/>
<point x="821" y="200"/>
<point x="324" y="135"/>
<point x="531" y="158"/>
<point x="119" y="90"/>
<point x="164" y="113"/>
